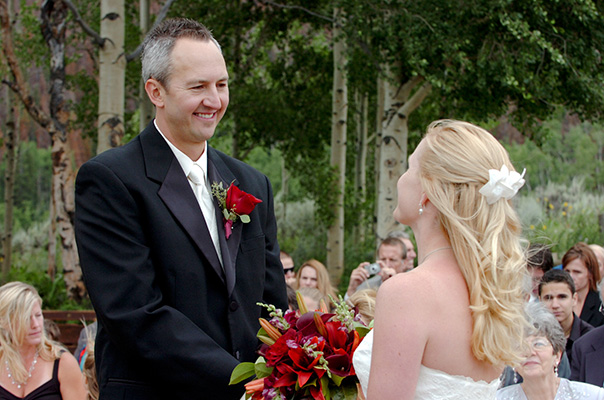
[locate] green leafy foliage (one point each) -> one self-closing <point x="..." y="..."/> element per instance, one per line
<point x="483" y="56"/>
<point x="32" y="185"/>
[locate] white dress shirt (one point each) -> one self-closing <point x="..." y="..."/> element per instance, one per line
<point x="207" y="207"/>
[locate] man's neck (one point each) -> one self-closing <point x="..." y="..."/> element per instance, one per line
<point x="567" y="325"/>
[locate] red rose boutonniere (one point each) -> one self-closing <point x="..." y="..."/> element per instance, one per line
<point x="235" y="203"/>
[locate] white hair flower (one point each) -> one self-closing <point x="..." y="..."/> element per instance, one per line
<point x="502" y="183"/>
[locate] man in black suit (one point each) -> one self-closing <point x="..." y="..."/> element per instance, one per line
<point x="175" y="293"/>
<point x="588" y="354"/>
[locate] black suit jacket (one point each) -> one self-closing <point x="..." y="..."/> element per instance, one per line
<point x="578" y="329"/>
<point x="588" y="358"/>
<point x="591" y="310"/>
<point x="172" y="323"/>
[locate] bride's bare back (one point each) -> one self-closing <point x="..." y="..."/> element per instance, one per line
<point x="423" y="317"/>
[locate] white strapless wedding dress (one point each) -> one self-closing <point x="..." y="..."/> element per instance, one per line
<point x="432" y="384"/>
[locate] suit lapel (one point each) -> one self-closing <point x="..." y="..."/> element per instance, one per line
<point x="176" y="193"/>
<point x="219" y="172"/>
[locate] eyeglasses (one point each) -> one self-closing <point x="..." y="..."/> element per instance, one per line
<point x="540" y="344"/>
<point x="288" y="270"/>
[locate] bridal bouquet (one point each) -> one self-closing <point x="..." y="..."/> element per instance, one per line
<point x="305" y="357"/>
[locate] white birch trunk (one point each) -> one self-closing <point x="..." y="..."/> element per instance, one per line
<point x="398" y="104"/>
<point x="112" y="75"/>
<point x="335" y="236"/>
<point x="53" y="29"/>
<point x="146" y="110"/>
<point x="361" y="162"/>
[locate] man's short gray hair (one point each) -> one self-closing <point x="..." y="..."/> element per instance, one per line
<point x="159" y="43"/>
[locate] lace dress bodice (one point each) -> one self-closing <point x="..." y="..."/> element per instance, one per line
<point x="567" y="390"/>
<point x="432" y="384"/>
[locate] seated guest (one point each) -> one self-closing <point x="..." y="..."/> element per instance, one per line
<point x="599" y="253"/>
<point x="312" y="298"/>
<point x="33" y="362"/>
<point x="588" y="354"/>
<point x="581" y="263"/>
<point x="391" y="255"/>
<point x="313" y="274"/>
<point x="545" y="345"/>
<point x="53" y="332"/>
<point x="292" y="300"/>
<point x="410" y="255"/>
<point x="288" y="268"/>
<point x="364" y="301"/>
<point x="89" y="368"/>
<point x="557" y="293"/>
<point x="539" y="261"/>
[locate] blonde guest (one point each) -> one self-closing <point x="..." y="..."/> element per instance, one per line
<point x="364" y="301"/>
<point x="31" y="361"/>
<point x="314" y="274"/>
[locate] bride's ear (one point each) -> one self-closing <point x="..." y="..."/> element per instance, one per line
<point x="424" y="199"/>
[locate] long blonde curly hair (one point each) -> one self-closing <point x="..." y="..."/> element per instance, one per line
<point x="485" y="238"/>
<point x="17" y="300"/>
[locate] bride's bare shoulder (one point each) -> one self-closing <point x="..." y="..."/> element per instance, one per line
<point x="423" y="282"/>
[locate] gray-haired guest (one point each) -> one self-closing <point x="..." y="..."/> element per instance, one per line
<point x="545" y="345"/>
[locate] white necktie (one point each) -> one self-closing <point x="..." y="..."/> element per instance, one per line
<point x="204" y="198"/>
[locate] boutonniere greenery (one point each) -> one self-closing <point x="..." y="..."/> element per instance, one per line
<point x="235" y="204"/>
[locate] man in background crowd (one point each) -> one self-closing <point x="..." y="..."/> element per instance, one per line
<point x="391" y="256"/>
<point x="557" y="293"/>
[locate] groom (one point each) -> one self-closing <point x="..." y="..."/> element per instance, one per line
<point x="175" y="292"/>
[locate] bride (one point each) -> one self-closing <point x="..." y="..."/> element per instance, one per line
<point x="446" y="329"/>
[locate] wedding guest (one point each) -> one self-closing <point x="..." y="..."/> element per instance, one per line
<point x="391" y="256"/>
<point x="599" y="253"/>
<point x="409" y="249"/>
<point x="539" y="261"/>
<point x="546" y="344"/>
<point x="456" y="319"/>
<point x="581" y="263"/>
<point x="288" y="268"/>
<point x="88" y="331"/>
<point x="312" y="298"/>
<point x="292" y="300"/>
<point x="36" y="367"/>
<point x="53" y="332"/>
<point x="364" y="301"/>
<point x="557" y="293"/>
<point x="88" y="367"/>
<point x="314" y="274"/>
<point x="588" y="354"/>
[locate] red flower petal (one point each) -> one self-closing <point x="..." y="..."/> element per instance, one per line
<point x="316" y="393"/>
<point x="239" y="201"/>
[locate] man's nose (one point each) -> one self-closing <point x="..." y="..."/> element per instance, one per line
<point x="212" y="99"/>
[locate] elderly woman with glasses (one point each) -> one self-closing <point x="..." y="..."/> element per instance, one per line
<point x="545" y="345"/>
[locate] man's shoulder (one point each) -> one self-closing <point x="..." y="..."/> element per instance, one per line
<point x="119" y="155"/>
<point x="238" y="167"/>
<point x="584" y="327"/>
<point x="594" y="337"/>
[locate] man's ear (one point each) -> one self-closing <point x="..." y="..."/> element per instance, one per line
<point x="156" y="92"/>
<point x="575" y="299"/>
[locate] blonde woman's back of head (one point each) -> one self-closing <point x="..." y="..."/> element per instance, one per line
<point x="485" y="237"/>
<point x="364" y="301"/>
